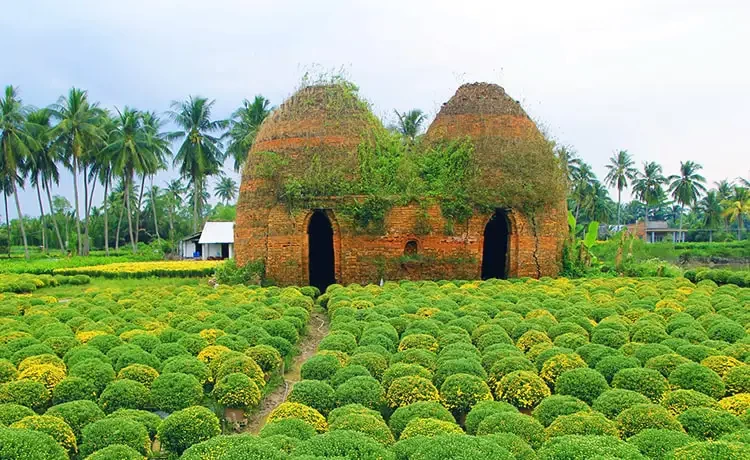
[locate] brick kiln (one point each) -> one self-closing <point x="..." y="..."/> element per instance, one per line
<point x="321" y="127"/>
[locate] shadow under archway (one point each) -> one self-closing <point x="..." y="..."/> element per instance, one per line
<point x="496" y="243"/>
<point x="321" y="262"/>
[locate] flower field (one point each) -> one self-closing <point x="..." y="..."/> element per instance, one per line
<point x="178" y="268"/>
<point x="23" y="284"/>
<point x="524" y="369"/>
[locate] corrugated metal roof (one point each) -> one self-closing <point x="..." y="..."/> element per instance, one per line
<point x="217" y="232"/>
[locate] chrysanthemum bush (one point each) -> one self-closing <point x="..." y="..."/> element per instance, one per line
<point x="590" y="367"/>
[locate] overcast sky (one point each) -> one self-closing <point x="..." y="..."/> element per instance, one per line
<point x="666" y="80"/>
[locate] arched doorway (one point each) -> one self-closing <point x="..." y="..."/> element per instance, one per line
<point x="321" y="269"/>
<point x="495" y="251"/>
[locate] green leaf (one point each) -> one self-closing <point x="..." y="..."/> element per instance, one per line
<point x="590" y="238"/>
<point x="571" y="222"/>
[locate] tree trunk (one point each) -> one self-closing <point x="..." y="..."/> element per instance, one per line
<point x="130" y="215"/>
<point x="41" y="214"/>
<point x="85" y="242"/>
<point x="680" y="234"/>
<point x="54" y="220"/>
<point x="739" y="227"/>
<point x="138" y="211"/>
<point x="196" y="192"/>
<point x="106" y="217"/>
<point x="20" y="217"/>
<point x="119" y="224"/>
<point x="75" y="192"/>
<point x="619" y="196"/>
<point x="7" y="221"/>
<point x="170" y="211"/>
<point x="153" y="208"/>
<point x="88" y="217"/>
<point x="645" y="222"/>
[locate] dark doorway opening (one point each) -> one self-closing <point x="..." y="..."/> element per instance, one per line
<point x="495" y="252"/>
<point x="224" y="250"/>
<point x="320" y="247"/>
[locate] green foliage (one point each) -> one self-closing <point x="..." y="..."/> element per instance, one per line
<point x="29" y="445"/>
<point x="693" y="376"/>
<point x="554" y="406"/>
<point x="583" y="383"/>
<point x="253" y="272"/>
<point x="647" y="382"/>
<point x="77" y="414"/>
<point x="238" y="391"/>
<point x="124" y="394"/>
<point x="10" y="413"/>
<point x="294" y="427"/>
<point x="640" y="417"/>
<point x="186" y="427"/>
<point x="709" y="424"/>
<point x="314" y="393"/>
<point x="175" y="391"/>
<point x="116" y="451"/>
<point x="343" y="444"/>
<point x="110" y="431"/>
<point x="659" y="444"/>
<point x="573" y="447"/>
<point x="422" y="409"/>
<point x="612" y="402"/>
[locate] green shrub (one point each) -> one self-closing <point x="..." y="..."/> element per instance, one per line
<point x="124" y="394"/>
<point x="55" y="427"/>
<point x="574" y="447"/>
<point x="73" y="389"/>
<point x="26" y="393"/>
<point x="457" y="447"/>
<point x="116" y="452"/>
<point x="709" y="424"/>
<point x="314" y="393"/>
<point x="583" y="383"/>
<point x="175" y="391"/>
<point x="373" y="427"/>
<point x="187" y="365"/>
<point x="139" y="373"/>
<point x="239" y="447"/>
<point x="148" y="419"/>
<point x="726" y="330"/>
<point x="320" y="367"/>
<point x="556" y="405"/>
<point x="609" y="337"/>
<point x="583" y="423"/>
<point x="717" y="450"/>
<point x="528" y="428"/>
<point x="693" y="376"/>
<point x="237" y="391"/>
<point x="513" y="443"/>
<point x="610" y="365"/>
<point x="267" y="357"/>
<point x="12" y="412"/>
<point x="77" y="414"/>
<point x="345" y="373"/>
<point x="523" y="389"/>
<point x="299" y="411"/>
<point x="659" y="444"/>
<point x="343" y="444"/>
<point x="29" y="445"/>
<point x="612" y="402"/>
<point x="466" y="365"/>
<point x="428" y="427"/>
<point x="98" y="373"/>
<point x="679" y="401"/>
<point x="508" y="365"/>
<point x="666" y="363"/>
<point x="460" y="392"/>
<point x="360" y="390"/>
<point x="186" y="427"/>
<point x="737" y="380"/>
<point x="292" y="427"/>
<point x="410" y="389"/>
<point x="8" y="371"/>
<point x="635" y="419"/>
<point x="422" y="409"/>
<point x="108" y="431"/>
<point x="375" y="363"/>
<point x="647" y="382"/>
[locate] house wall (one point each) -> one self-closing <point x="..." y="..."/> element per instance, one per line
<point x="280" y="239"/>
<point x="214" y="250"/>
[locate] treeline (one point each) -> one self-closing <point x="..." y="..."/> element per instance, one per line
<point x="682" y="199"/>
<point x="121" y="151"/>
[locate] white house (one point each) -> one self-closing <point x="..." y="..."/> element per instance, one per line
<point x="215" y="241"/>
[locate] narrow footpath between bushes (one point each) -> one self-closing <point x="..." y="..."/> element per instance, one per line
<point x="317" y="329"/>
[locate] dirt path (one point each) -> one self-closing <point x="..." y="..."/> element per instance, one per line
<point x="317" y="330"/>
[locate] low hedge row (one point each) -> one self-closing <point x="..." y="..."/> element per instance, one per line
<point x="174" y="269"/>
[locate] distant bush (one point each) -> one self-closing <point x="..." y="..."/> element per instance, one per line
<point x="360" y="390"/>
<point x="237" y="391"/>
<point x="410" y="389"/>
<point x="460" y="392"/>
<point x="293" y="427"/>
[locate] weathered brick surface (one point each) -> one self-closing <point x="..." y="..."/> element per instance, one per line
<point x="266" y="230"/>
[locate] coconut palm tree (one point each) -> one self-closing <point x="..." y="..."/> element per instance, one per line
<point x="78" y="128"/>
<point x="42" y="166"/>
<point x="173" y="196"/>
<point x="583" y="178"/>
<point x="598" y="204"/>
<point x="711" y="210"/>
<point x="409" y="124"/>
<point x="648" y="185"/>
<point x="226" y="189"/>
<point x="569" y="162"/>
<point x="620" y="170"/>
<point x="130" y="156"/>
<point x="737" y="206"/>
<point x="243" y="126"/>
<point x="158" y="145"/>
<point x="199" y="155"/>
<point x="16" y="146"/>
<point x="687" y="186"/>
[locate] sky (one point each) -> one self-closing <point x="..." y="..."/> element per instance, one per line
<point x="668" y="81"/>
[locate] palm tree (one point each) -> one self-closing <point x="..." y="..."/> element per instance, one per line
<point x="409" y="124"/>
<point x="226" y="189"/>
<point x="77" y="129"/>
<point x="687" y="186"/>
<point x="173" y="195"/>
<point x="16" y="146"/>
<point x="158" y="145"/>
<point x="130" y="156"/>
<point x="648" y="185"/>
<point x="620" y="170"/>
<point x="710" y="208"/>
<point x="42" y="165"/>
<point x="569" y="162"/>
<point x="199" y="155"/>
<point x="243" y="126"/>
<point x="583" y="177"/>
<point x="598" y="204"/>
<point x="737" y="206"/>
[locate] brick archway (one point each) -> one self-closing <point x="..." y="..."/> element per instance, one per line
<point x="503" y="246"/>
<point x="313" y="218"/>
